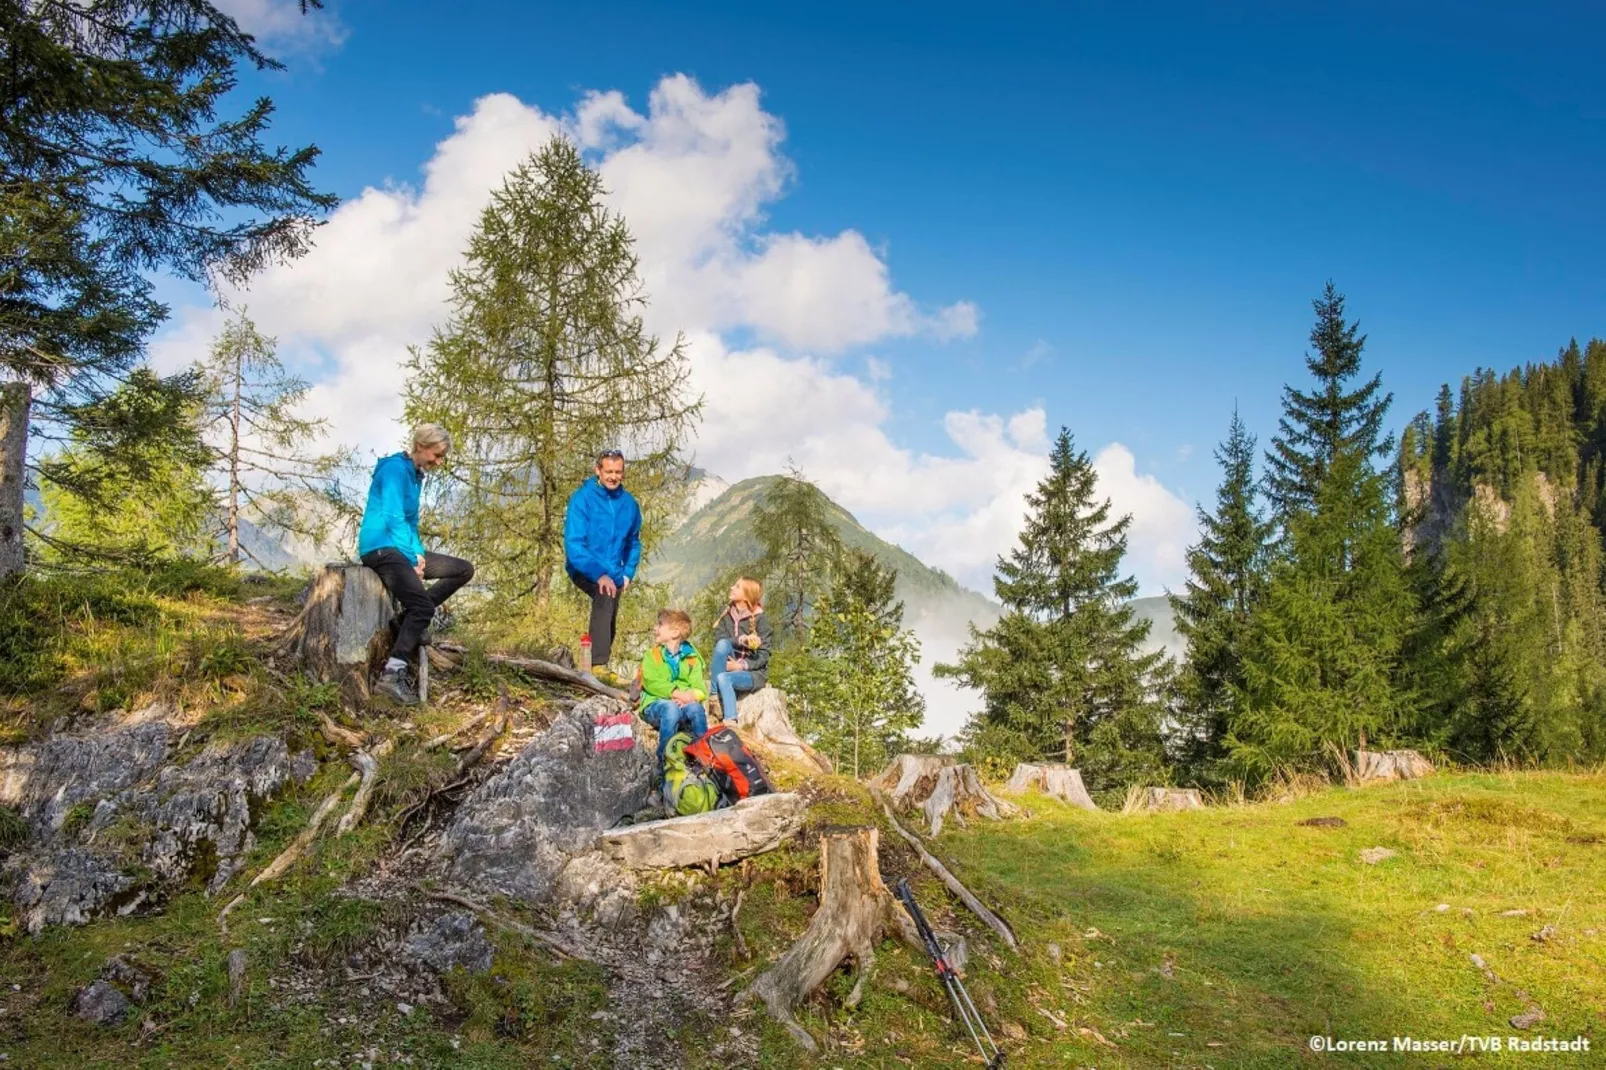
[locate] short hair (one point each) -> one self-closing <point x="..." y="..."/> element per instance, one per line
<point x="431" y="435"/>
<point x="610" y="455"/>
<point x="752" y="591"/>
<point x="679" y="619"/>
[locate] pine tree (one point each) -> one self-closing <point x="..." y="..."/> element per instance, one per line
<point x="1321" y="662"/>
<point x="853" y="684"/>
<point x="1061" y="674"/>
<point x="125" y="151"/>
<point x="1226" y="582"/>
<point x="800" y="548"/>
<point x="260" y="444"/>
<point x="543" y="363"/>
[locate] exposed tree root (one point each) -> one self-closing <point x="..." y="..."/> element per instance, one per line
<point x="736" y="928"/>
<point x="460" y="775"/>
<point x="953" y="883"/>
<point x="552" y="940"/>
<point x="468" y="725"/>
<point x="288" y="856"/>
<point x="367" y="764"/>
<point x="340" y="735"/>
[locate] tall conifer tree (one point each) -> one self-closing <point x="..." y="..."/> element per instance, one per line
<point x="1062" y="674"/>
<point x="1227" y="578"/>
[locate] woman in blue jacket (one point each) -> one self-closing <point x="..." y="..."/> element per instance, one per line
<point x="601" y="548"/>
<point x="388" y="543"/>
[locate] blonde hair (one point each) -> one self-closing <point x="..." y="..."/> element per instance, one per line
<point x="752" y="592"/>
<point x="427" y="435"/>
<point x="678" y="618"/>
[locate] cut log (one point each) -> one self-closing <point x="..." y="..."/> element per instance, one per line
<point x="1054" y="780"/>
<point x="764" y="724"/>
<point x="1391" y="765"/>
<point x="14" y="405"/>
<point x="856" y="912"/>
<point x="344" y="632"/>
<point x="939" y="787"/>
<point x="751" y="827"/>
<point x="1162" y="800"/>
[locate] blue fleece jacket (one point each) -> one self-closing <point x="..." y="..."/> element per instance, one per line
<point x="391" y="516"/>
<point x="602" y="533"/>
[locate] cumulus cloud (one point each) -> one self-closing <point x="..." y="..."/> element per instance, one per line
<point x="279" y="25"/>
<point x="692" y="175"/>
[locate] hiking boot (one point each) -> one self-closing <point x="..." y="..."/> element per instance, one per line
<point x="392" y="683"/>
<point x="608" y="676"/>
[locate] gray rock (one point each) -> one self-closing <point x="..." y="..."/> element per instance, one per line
<point x="170" y="821"/>
<point x="101" y="1003"/>
<point x="453" y="939"/>
<point x="518" y="830"/>
<point x="129" y="974"/>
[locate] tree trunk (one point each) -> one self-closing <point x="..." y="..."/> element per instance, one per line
<point x="939" y="787"/>
<point x="345" y="631"/>
<point x="15" y="399"/>
<point x="1059" y="781"/>
<point x="234" y="464"/>
<point x="856" y="912"/>
<point x="762" y="721"/>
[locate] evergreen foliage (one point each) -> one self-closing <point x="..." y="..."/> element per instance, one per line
<point x="799" y="551"/>
<point x="543" y="362"/>
<point x="1226" y="583"/>
<point x="1322" y="659"/>
<point x="1061" y="674"/>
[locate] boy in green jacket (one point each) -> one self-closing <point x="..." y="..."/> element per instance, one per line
<point x="673" y="687"/>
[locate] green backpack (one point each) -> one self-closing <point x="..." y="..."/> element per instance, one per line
<point x="687" y="790"/>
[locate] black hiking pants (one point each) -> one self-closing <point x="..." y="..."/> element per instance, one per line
<point x="418" y="602"/>
<point x="604" y="618"/>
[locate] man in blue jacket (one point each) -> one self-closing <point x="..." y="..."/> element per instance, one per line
<point x="388" y="543"/>
<point x="601" y="548"/>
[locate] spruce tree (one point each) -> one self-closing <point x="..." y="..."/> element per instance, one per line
<point x="853" y="684"/>
<point x="259" y="443"/>
<point x="1227" y="577"/>
<point x="1061" y="674"/>
<point x="1321" y="662"/>
<point x="799" y="551"/>
<point x="542" y="363"/>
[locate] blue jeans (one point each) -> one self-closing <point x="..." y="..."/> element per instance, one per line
<point x="728" y="681"/>
<point x="668" y="715"/>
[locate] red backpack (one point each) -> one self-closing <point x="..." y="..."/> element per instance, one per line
<point x="726" y="758"/>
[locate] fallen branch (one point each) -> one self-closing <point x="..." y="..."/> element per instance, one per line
<point x="446" y="737"/>
<point x="367" y="763"/>
<point x="552" y="940"/>
<point x="548" y="669"/>
<point x="459" y="775"/>
<point x="288" y="856"/>
<point x="736" y="929"/>
<point x="994" y="922"/>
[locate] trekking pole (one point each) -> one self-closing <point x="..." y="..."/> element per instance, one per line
<point x="968" y="1013"/>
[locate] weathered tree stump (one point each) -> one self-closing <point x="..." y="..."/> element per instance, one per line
<point x="1169" y="799"/>
<point x="939" y="787"/>
<point x="763" y="722"/>
<point x="751" y="827"/>
<point x="1055" y="780"/>
<point x="344" y="632"/>
<point x="1391" y="765"/>
<point x="856" y="912"/>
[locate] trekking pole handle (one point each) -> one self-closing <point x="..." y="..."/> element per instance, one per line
<point x="927" y="936"/>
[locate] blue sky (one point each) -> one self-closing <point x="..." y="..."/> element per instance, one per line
<point x="1140" y="201"/>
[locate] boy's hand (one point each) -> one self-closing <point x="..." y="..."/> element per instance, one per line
<point x="683" y="697"/>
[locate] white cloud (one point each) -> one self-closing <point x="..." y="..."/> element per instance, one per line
<point x="279" y="25"/>
<point x="692" y="176"/>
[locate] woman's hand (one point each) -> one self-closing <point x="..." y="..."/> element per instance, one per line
<point x="752" y="642"/>
<point x="735" y="664"/>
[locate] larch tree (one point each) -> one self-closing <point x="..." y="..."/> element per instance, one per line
<point x="543" y="362"/>
<point x="799" y="549"/>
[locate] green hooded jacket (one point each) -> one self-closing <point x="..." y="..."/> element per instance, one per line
<point x="657" y="681"/>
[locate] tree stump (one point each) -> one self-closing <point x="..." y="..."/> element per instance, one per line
<point x="1391" y="765"/>
<point x="856" y="912"/>
<point x="1168" y="799"/>
<point x="763" y="722"/>
<point x="344" y="632"/>
<point x="1055" y="780"/>
<point x="939" y="786"/>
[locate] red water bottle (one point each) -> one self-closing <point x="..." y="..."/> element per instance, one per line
<point x="585" y="652"/>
